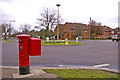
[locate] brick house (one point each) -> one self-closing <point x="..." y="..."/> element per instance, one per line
<point x="102" y="32"/>
<point x="116" y="31"/>
<point x="60" y="30"/>
<point x="71" y="30"/>
<point x="107" y="32"/>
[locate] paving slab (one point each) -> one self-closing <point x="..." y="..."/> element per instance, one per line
<point x="7" y="72"/>
<point x="17" y="75"/>
<point x="48" y="75"/>
<point x="38" y="71"/>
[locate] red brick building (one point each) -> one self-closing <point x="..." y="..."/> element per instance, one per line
<point x="116" y="31"/>
<point x="72" y="30"/>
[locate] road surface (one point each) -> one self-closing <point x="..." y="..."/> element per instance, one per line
<point x="90" y="54"/>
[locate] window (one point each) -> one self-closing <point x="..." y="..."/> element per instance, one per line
<point x="67" y="35"/>
<point x="85" y="30"/>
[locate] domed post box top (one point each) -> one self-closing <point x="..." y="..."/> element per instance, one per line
<point x="23" y="36"/>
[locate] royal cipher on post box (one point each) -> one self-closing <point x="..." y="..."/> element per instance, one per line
<point x="27" y="47"/>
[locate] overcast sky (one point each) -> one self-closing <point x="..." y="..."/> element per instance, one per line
<point x="26" y="11"/>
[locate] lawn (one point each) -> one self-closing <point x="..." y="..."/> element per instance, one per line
<point x="71" y="43"/>
<point x="8" y="41"/>
<point x="78" y="73"/>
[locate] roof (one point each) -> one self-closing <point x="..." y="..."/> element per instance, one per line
<point x="107" y="28"/>
<point x="60" y="26"/>
<point x="117" y="29"/>
<point x="75" y="25"/>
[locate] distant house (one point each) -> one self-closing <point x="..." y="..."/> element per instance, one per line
<point x="60" y="29"/>
<point x="116" y="31"/>
<point x="34" y="33"/>
<point x="72" y="30"/>
<point x="107" y="32"/>
<point x="102" y="32"/>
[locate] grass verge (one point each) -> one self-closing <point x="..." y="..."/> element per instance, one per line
<point x="67" y="74"/>
<point x="8" y="41"/>
<point x="71" y="43"/>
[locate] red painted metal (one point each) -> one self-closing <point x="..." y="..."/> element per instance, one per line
<point x="23" y="50"/>
<point x="27" y="46"/>
<point x="24" y="36"/>
<point x="35" y="47"/>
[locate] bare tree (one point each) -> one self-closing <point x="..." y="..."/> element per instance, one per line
<point x="9" y="28"/>
<point x="93" y="26"/>
<point x="5" y="30"/>
<point x="96" y="28"/>
<point x="15" y="32"/>
<point x="25" y="28"/>
<point x="99" y="29"/>
<point x="99" y="24"/>
<point x="48" y="20"/>
<point x="79" y="30"/>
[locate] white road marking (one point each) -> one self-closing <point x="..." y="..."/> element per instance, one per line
<point x="101" y="65"/>
<point x="60" y="65"/>
<point x="106" y="40"/>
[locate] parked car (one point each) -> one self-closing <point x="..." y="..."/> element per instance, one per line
<point x="116" y="37"/>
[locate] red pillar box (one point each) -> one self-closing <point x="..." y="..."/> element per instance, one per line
<point x="23" y="54"/>
<point x="27" y="46"/>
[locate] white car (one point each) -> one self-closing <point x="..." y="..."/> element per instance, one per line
<point x="115" y="37"/>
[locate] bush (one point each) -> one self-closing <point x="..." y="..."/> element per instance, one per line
<point x="109" y="38"/>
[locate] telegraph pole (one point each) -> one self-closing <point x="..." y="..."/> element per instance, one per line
<point x="90" y="29"/>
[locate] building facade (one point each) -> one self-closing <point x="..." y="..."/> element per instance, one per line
<point x="72" y="30"/>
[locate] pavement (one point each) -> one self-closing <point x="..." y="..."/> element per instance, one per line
<point x="11" y="72"/>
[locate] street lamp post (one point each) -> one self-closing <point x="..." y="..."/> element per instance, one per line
<point x="58" y="21"/>
<point x="0" y="33"/>
<point x="10" y="28"/>
<point x="90" y="29"/>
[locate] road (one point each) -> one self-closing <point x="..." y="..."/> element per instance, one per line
<point x="90" y="54"/>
